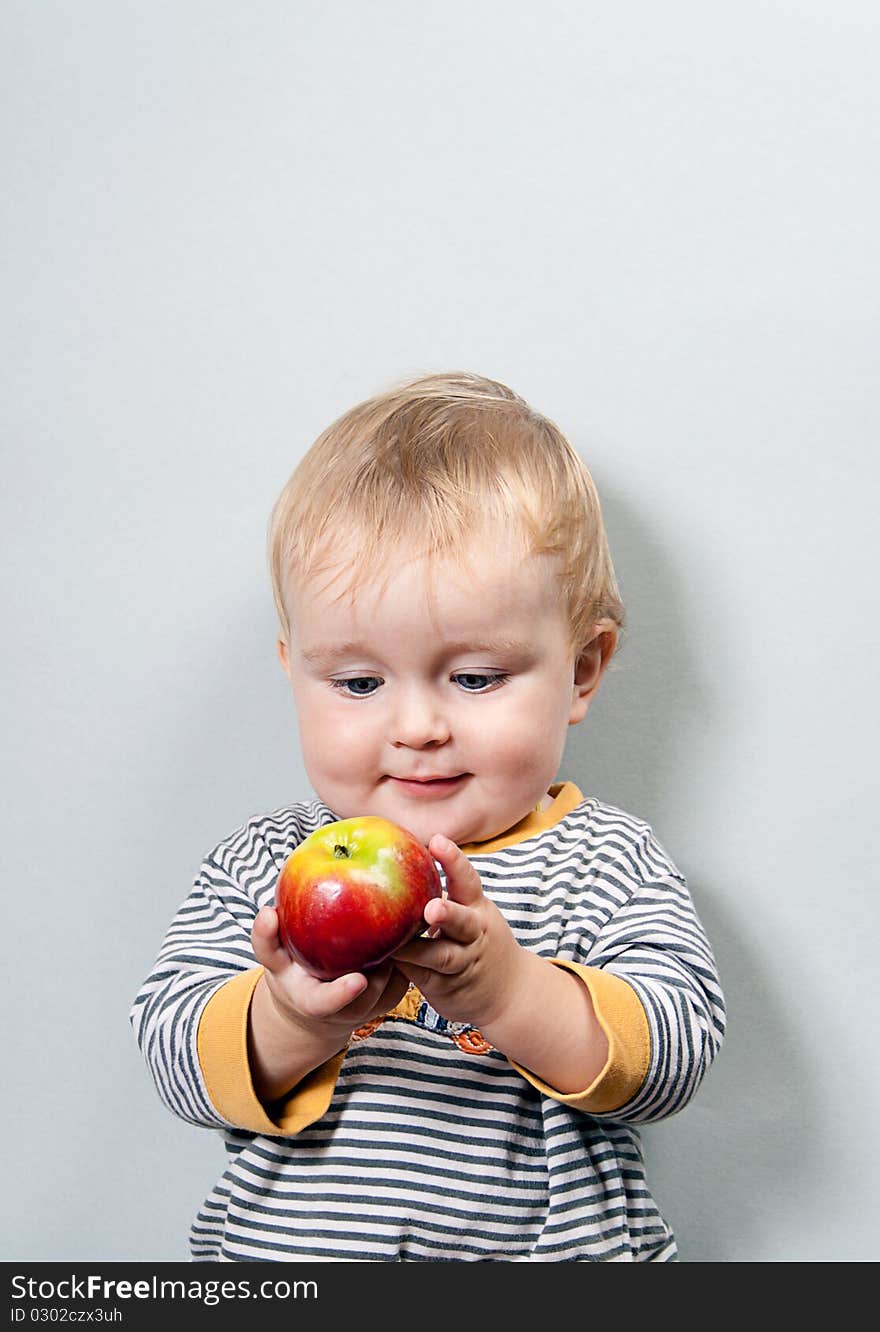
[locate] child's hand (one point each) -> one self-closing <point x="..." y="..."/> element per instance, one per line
<point x="324" y="1007"/>
<point x="470" y="967"/>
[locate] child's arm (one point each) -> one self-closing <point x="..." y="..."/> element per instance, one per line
<point x="538" y="1014"/>
<point x="648" y="980"/>
<point x="297" y="1022"/>
<point x="218" y="1053"/>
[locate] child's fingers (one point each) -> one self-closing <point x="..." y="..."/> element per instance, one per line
<point x="462" y="880"/>
<point x="323" y="999"/>
<point x="418" y="976"/>
<point x="396" y="988"/>
<point x="441" y="956"/>
<point x="268" y="948"/>
<point x="382" y="988"/>
<point x="455" y="921"/>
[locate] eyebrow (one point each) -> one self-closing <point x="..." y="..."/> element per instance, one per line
<point x="326" y="655"/>
<point x="329" y="654"/>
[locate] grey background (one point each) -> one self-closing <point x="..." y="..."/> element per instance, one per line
<point x="224" y="224"/>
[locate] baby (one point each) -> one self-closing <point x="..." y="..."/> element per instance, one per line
<point x="448" y="609"/>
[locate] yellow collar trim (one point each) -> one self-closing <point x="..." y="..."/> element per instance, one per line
<point x="566" y="797"/>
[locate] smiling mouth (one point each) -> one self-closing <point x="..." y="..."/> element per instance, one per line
<point x="428" y="785"/>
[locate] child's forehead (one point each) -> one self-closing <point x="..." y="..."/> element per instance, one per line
<point x="498" y="595"/>
<point x="500" y="560"/>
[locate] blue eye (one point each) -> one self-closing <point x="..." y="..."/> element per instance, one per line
<point x="358" y="686"/>
<point x="474" y="682"/>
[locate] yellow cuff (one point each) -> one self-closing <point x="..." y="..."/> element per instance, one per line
<point x="223" y="1056"/>
<point x="622" y="1018"/>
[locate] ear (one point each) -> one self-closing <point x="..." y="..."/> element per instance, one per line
<point x="589" y="667"/>
<point x="284" y="656"/>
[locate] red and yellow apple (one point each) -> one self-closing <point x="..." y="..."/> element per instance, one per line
<point x="352" y="893"/>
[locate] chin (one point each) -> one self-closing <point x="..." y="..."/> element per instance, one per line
<point x="422" y="826"/>
<point x="458" y="831"/>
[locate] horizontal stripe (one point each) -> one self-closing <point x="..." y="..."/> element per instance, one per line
<point x="424" y="1152"/>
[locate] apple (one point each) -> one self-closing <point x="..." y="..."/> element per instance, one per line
<point x="352" y="893"/>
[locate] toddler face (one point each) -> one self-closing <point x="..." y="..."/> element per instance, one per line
<point x="442" y="702"/>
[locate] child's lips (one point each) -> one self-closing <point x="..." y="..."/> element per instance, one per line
<point x="429" y="787"/>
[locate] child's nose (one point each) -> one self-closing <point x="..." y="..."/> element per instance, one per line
<point x="419" y="720"/>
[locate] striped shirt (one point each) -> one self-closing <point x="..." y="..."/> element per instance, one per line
<point x="419" y="1141"/>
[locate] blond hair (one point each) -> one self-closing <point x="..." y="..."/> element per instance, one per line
<point x="428" y="464"/>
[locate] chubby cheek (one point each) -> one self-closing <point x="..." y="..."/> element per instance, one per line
<point x="335" y="743"/>
<point x="506" y="752"/>
<point x="529" y="742"/>
<point x="530" y="764"/>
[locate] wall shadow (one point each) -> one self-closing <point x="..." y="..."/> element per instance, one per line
<point x="731" y="1166"/>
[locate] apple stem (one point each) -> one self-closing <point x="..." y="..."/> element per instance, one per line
<point x="341" y="852"/>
